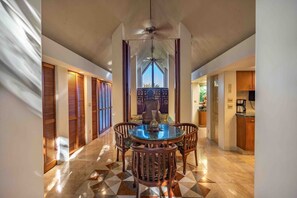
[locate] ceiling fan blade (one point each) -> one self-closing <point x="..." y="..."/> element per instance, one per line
<point x="139" y="32"/>
<point x="160" y="36"/>
<point x="165" y="27"/>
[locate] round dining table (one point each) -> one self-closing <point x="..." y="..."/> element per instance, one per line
<point x="166" y="134"/>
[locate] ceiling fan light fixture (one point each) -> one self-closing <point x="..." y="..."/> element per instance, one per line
<point x="150" y="30"/>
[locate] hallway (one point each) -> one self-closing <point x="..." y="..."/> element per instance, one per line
<point x="219" y="174"/>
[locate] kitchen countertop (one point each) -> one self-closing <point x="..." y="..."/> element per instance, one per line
<point x="246" y="114"/>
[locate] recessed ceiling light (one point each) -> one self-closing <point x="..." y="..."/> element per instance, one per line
<point x="109" y="63"/>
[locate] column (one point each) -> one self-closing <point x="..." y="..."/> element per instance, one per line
<point x="276" y="96"/>
<point x="88" y="108"/>
<point x="117" y="75"/>
<point x="209" y="106"/>
<point x="21" y="123"/>
<point x="62" y="114"/>
<point x="185" y="74"/>
<point x="227" y="110"/>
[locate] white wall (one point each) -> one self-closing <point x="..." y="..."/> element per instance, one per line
<point x="276" y="96"/>
<point x="209" y="106"/>
<point x="56" y="54"/>
<point x="185" y="74"/>
<point x="21" y="156"/>
<point x="64" y="60"/>
<point x="227" y="110"/>
<point x="241" y="55"/>
<point x="221" y="110"/>
<point x="88" y="108"/>
<point x="62" y="119"/>
<point x="117" y="75"/>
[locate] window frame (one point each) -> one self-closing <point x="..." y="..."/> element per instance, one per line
<point x="152" y="64"/>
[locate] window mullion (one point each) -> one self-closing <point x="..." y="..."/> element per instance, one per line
<point x="153" y="76"/>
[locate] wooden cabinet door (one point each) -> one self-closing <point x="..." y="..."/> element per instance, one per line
<point x="241" y="132"/>
<point x="49" y="116"/>
<point x="250" y="133"/>
<point x="244" y="81"/>
<point x="76" y="111"/>
<point x="253" y="80"/>
<point x="202" y="118"/>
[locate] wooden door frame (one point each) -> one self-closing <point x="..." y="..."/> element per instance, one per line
<point x="177" y="81"/>
<point x="94" y="89"/>
<point x="126" y="82"/>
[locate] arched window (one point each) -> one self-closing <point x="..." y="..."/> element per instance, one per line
<point x="153" y="76"/>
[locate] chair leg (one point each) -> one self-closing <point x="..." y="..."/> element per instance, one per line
<point x="134" y="184"/>
<point x="160" y="190"/>
<point x="118" y="154"/>
<point x="196" y="157"/>
<point x="169" y="189"/>
<point x="184" y="163"/>
<point x="137" y="191"/>
<point x="123" y="159"/>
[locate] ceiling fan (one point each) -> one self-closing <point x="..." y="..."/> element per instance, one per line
<point x="150" y="31"/>
<point x="151" y="58"/>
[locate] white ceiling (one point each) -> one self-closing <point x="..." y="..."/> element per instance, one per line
<point x="86" y="27"/>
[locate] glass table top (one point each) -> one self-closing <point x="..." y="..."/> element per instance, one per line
<point x="166" y="132"/>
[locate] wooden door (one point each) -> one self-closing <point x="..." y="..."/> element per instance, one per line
<point x="76" y="111"/>
<point x="49" y="116"/>
<point x="94" y="108"/>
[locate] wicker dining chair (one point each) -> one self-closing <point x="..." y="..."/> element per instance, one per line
<point x="123" y="141"/>
<point x="154" y="166"/>
<point x="189" y="142"/>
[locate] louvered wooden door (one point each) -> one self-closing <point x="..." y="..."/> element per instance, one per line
<point x="49" y="116"/>
<point x="76" y="111"/>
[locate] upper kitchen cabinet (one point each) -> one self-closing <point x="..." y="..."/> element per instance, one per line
<point x="245" y="80"/>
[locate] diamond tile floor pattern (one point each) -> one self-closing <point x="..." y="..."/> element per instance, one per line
<point x="112" y="182"/>
<point x="93" y="172"/>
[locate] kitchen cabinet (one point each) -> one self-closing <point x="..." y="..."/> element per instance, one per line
<point x="245" y="80"/>
<point x="202" y="118"/>
<point x="246" y="132"/>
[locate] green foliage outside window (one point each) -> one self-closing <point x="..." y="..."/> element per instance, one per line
<point x="202" y="93"/>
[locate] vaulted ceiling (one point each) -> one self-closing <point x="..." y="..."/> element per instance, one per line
<point x="86" y="27"/>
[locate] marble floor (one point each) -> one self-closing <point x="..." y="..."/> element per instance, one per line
<point x="93" y="172"/>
